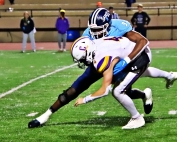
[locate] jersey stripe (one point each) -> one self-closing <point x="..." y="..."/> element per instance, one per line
<point x="104" y="63"/>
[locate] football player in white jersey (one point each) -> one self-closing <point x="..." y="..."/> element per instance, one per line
<point x="112" y="63"/>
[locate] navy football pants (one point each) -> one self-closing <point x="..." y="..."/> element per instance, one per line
<point x="86" y="79"/>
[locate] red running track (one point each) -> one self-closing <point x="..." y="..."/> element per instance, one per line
<point x="54" y="45"/>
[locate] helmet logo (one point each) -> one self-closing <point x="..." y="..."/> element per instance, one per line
<point x="106" y="15"/>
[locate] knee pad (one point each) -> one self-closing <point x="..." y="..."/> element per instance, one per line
<point x="67" y="96"/>
<point x="63" y="98"/>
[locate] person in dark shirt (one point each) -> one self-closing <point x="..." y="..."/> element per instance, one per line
<point x="11" y="1"/>
<point x="62" y="25"/>
<point x="140" y="20"/>
<point x="27" y="26"/>
<point x="113" y="14"/>
<point x="129" y="4"/>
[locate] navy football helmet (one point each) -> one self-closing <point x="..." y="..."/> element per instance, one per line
<point x="99" y="22"/>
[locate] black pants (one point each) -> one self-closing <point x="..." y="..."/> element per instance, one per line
<point x="11" y="1"/>
<point x="141" y="29"/>
<point x="129" y="3"/>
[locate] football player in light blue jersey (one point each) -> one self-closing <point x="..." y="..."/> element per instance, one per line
<point x="101" y="25"/>
<point x="118" y="28"/>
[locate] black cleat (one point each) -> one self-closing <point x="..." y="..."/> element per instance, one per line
<point x="34" y="123"/>
<point x="148" y="108"/>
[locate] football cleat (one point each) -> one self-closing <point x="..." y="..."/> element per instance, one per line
<point x="169" y="82"/>
<point x="34" y="123"/>
<point x="135" y="123"/>
<point x="40" y="120"/>
<point x="148" y="101"/>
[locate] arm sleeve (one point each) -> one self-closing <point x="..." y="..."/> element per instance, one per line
<point x="56" y="24"/>
<point x="125" y="27"/>
<point x="21" y="25"/>
<point x="32" y="24"/>
<point x="68" y="23"/>
<point x="86" y="33"/>
<point x="117" y="16"/>
<point x="133" y="19"/>
<point x="148" y="19"/>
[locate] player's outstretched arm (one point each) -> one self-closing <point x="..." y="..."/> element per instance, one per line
<point x="104" y="90"/>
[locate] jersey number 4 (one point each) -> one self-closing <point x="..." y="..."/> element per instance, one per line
<point x="114" y="38"/>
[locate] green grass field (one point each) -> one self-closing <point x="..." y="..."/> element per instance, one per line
<point x="81" y="124"/>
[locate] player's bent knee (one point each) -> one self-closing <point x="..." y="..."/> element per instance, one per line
<point x="67" y="96"/>
<point x="118" y="94"/>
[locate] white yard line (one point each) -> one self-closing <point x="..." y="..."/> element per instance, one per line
<point x="100" y="113"/>
<point x="172" y="112"/>
<point x="34" y="79"/>
<point x="32" y="114"/>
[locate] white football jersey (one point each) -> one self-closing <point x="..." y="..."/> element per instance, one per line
<point x="108" y="48"/>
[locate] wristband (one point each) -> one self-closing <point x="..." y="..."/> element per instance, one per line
<point x="87" y="99"/>
<point x="127" y="59"/>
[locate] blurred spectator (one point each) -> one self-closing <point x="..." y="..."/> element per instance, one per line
<point x="129" y="3"/>
<point x="11" y="1"/>
<point x="140" y="20"/>
<point x="27" y="26"/>
<point x="62" y="25"/>
<point x="2" y="2"/>
<point x="10" y="9"/>
<point x="99" y="4"/>
<point x="113" y="14"/>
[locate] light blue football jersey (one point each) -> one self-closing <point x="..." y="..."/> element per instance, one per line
<point x="118" y="28"/>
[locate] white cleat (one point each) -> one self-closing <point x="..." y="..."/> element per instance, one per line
<point x="148" y="101"/>
<point x="64" y="50"/>
<point x="169" y="82"/>
<point x="135" y="123"/>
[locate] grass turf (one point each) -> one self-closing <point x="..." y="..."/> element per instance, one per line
<point x="83" y="123"/>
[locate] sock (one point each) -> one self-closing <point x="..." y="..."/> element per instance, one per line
<point x="48" y="112"/>
<point x="52" y="109"/>
<point x="44" y="117"/>
<point x="156" y="73"/>
<point x="136" y="94"/>
<point x="128" y="104"/>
